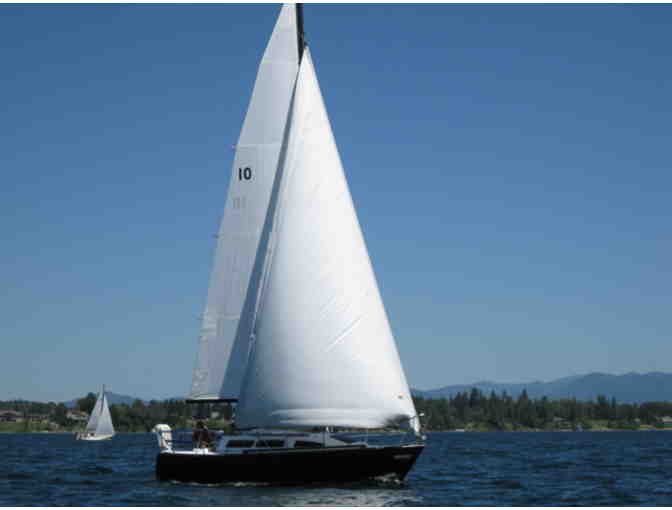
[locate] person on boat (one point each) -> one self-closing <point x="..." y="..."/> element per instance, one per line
<point x="201" y="435"/>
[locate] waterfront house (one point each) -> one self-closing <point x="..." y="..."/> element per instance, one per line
<point x="9" y="415"/>
<point x="76" y="415"/>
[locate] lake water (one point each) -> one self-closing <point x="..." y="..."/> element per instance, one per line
<point x="485" y="469"/>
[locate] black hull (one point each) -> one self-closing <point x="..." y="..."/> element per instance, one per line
<point x="295" y="466"/>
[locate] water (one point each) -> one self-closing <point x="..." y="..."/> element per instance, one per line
<point x="484" y="469"/>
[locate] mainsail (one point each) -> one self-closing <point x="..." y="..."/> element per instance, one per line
<point x="221" y="359"/>
<point x="323" y="352"/>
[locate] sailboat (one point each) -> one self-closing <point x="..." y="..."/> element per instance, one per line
<point x="100" y="425"/>
<point x="294" y="332"/>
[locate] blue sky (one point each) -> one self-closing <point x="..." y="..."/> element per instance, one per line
<point x="510" y="166"/>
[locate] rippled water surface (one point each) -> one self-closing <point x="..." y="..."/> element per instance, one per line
<point x="486" y="469"/>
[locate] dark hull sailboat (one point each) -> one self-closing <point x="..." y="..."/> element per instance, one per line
<point x="290" y="466"/>
<point x="294" y="331"/>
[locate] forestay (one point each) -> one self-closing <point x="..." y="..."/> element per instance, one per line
<point x="221" y="360"/>
<point x="323" y="354"/>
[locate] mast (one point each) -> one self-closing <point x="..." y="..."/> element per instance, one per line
<point x="300" y="35"/>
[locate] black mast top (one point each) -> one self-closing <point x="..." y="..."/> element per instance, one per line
<point x="299" y="29"/>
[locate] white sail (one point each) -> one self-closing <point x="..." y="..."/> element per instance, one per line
<point x="221" y="361"/>
<point x="104" y="426"/>
<point x="92" y="424"/>
<point x="100" y="421"/>
<point x="323" y="352"/>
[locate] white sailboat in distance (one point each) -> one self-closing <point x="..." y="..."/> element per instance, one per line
<point x="99" y="426"/>
<point x="294" y="331"/>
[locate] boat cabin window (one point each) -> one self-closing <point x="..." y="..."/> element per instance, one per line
<point x="239" y="443"/>
<point x="307" y="444"/>
<point x="270" y="443"/>
<point x="345" y="439"/>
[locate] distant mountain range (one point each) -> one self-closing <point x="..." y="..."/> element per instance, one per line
<point x="627" y="388"/>
<point x="112" y="398"/>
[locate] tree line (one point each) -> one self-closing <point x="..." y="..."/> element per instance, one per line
<point x="142" y="417"/>
<point x="476" y="410"/>
<point x="137" y="417"/>
<point x="472" y="410"/>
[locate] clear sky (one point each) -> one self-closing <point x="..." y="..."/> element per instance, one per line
<point x="510" y="166"/>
